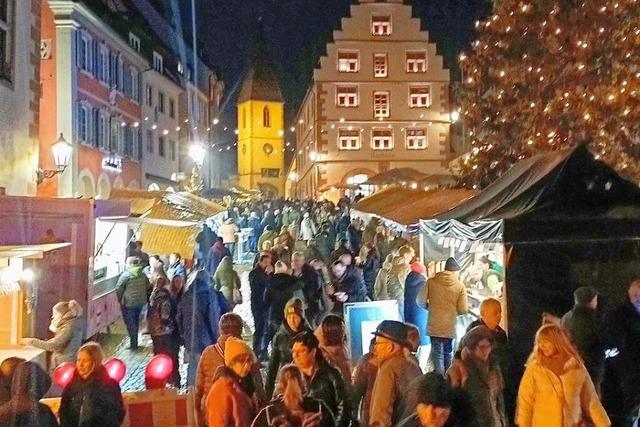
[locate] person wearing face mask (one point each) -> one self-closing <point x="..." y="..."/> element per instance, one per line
<point x="92" y="398"/>
<point x="483" y="380"/>
<point x="229" y="402"/>
<point x="67" y="326"/>
<point x="292" y="406"/>
<point x="556" y="390"/>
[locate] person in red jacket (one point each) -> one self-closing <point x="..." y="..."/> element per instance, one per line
<point x="231" y="401"/>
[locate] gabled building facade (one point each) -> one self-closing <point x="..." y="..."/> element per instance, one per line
<point x="378" y="101"/>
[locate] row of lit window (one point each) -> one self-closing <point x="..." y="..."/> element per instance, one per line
<point x="349" y="62"/>
<point x="382" y="139"/>
<point x="349" y="97"/>
<point x="97" y="128"/>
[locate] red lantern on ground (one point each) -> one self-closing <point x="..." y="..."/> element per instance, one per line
<point x="116" y="369"/>
<point x="158" y="372"/>
<point x="63" y="374"/>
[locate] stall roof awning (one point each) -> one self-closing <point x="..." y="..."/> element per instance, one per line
<point x="407" y="206"/>
<point x="141" y="200"/>
<point x="568" y="183"/>
<point x="139" y="220"/>
<point x="30" y="251"/>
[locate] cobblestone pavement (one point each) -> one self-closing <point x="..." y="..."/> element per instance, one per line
<point x="116" y="342"/>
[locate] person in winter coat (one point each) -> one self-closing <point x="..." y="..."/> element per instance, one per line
<point x="308" y="228"/>
<point x="254" y="224"/>
<point x="230" y="402"/>
<point x="395" y="372"/>
<point x="292" y="406"/>
<point x="29" y="384"/>
<point x="364" y="377"/>
<point x="217" y="252"/>
<point x="324" y="382"/>
<point x="556" y="390"/>
<point x="132" y="290"/>
<point x="197" y="317"/>
<point x="343" y="248"/>
<point x="268" y="220"/>
<point x="213" y="358"/>
<point x="176" y="267"/>
<point x="342" y="225"/>
<point x="354" y="236"/>
<point x="433" y="403"/>
<point x="380" y="292"/>
<point x="311" y="252"/>
<point x="92" y="398"/>
<point x="67" y="325"/>
<point x="325" y="242"/>
<point x="585" y="331"/>
<point x="227" y="281"/>
<point x="347" y="285"/>
<point x="413" y="313"/>
<point x="332" y="335"/>
<point x="445" y="298"/>
<point x="396" y="279"/>
<point x="482" y="380"/>
<point x="161" y="322"/>
<point x="228" y="232"/>
<point x="268" y="235"/>
<point x="370" y="268"/>
<point x="623" y="333"/>
<point x="282" y="288"/>
<point x="311" y="287"/>
<point x="7" y="369"/>
<point x="294" y="323"/>
<point x="259" y="279"/>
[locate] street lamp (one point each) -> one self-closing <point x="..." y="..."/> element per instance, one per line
<point x="61" y="151"/>
<point x="293" y="176"/>
<point x="197" y="154"/>
<point x="455" y="116"/>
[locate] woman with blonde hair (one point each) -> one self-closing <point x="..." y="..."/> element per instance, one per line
<point x="291" y="406"/>
<point x="556" y="390"/>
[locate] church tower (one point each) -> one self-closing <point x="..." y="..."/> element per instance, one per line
<point x="261" y="148"/>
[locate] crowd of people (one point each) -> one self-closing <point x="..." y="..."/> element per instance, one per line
<point x="310" y="259"/>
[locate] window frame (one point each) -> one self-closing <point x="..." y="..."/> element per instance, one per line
<point x="161" y="101"/>
<point x="410" y="140"/>
<point x="85" y="52"/>
<point x="135" y="83"/>
<point x="385" y="73"/>
<point x="172" y="108"/>
<point x="103" y="71"/>
<point x="104" y="136"/>
<point x="162" y="146"/>
<point x="351" y="60"/>
<point x="149" y="95"/>
<point x="374" y="137"/>
<point x="381" y="20"/>
<point x="83" y="134"/>
<point x="266" y="117"/>
<point x="417" y="64"/>
<point x="134" y="42"/>
<point x="7" y="49"/>
<point x="378" y="112"/>
<point x="158" y="62"/>
<point x="150" y="141"/>
<point x="347" y="96"/>
<point x="351" y="142"/>
<point x="173" y="150"/>
<point x="418" y="96"/>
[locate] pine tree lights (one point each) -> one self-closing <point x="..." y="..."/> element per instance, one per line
<point x="545" y="75"/>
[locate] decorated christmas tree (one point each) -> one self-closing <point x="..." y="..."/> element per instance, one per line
<point x="545" y="75"/>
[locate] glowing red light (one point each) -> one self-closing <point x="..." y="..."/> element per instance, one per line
<point x="158" y="371"/>
<point x="63" y="374"/>
<point x="116" y="369"/>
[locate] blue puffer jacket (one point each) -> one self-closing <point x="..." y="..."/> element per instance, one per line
<point x="198" y="313"/>
<point x="413" y="313"/>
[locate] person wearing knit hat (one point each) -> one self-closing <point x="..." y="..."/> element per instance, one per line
<point x="585" y="329"/>
<point x="231" y="398"/>
<point x="294" y="323"/>
<point x="481" y="377"/>
<point x="413" y="313"/>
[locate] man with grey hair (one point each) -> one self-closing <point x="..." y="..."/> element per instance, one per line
<point x="132" y="290"/>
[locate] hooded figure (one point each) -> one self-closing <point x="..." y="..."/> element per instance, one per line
<point x="30" y="383"/>
<point x="197" y="317"/>
<point x="227" y="281"/>
<point x="67" y="326"/>
<point x="294" y="322"/>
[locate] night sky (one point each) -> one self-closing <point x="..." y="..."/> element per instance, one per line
<point x="297" y="32"/>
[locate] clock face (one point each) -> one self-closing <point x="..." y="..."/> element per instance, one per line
<point x="268" y="148"/>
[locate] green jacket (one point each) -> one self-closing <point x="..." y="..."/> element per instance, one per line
<point x="133" y="287"/>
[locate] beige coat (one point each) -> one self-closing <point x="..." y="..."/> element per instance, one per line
<point x="548" y="400"/>
<point x="445" y="298"/>
<point x="228" y="233"/>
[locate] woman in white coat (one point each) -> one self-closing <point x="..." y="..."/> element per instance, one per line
<point x="556" y="390"/>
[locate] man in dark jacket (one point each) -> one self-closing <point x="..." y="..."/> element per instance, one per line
<point x="347" y="285"/>
<point x="294" y="323"/>
<point x="325" y="242"/>
<point x="282" y="288"/>
<point x="624" y="334"/>
<point x="259" y="279"/>
<point x="343" y="248"/>
<point x="323" y="382"/>
<point x="311" y="287"/>
<point x="585" y="331"/>
<point x="176" y="267"/>
<point x="197" y="317"/>
<point x="354" y="234"/>
<point x="132" y="290"/>
<point x="370" y="267"/>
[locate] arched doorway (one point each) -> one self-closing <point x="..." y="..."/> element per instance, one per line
<point x="86" y="188"/>
<point x="269" y="191"/>
<point x="359" y="177"/>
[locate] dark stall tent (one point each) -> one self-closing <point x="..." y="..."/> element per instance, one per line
<point x="567" y="221"/>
